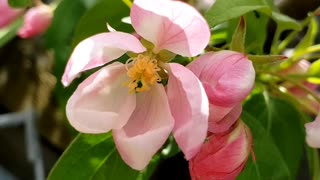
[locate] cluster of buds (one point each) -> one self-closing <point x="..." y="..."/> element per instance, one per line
<point x="228" y="78"/>
<point x="36" y="19"/>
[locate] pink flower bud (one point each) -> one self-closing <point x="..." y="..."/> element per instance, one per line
<point x="7" y="14"/>
<point x="228" y="78"/>
<point x="313" y="133"/>
<point x="222" y="156"/>
<point x="36" y="21"/>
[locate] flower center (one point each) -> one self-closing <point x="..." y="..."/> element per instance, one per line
<point x="143" y="74"/>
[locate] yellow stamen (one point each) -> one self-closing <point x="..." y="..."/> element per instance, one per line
<point x="143" y="74"/>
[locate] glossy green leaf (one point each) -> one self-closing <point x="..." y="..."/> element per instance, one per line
<point x="92" y="157"/>
<point x="19" y="3"/>
<point x="269" y="162"/>
<point x="282" y="122"/>
<point x="239" y="36"/>
<point x="94" y="20"/>
<point x="223" y="10"/>
<point x="9" y="32"/>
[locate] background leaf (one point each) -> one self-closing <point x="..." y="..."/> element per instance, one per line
<point x="274" y="123"/>
<point x="222" y="11"/>
<point x="92" y="157"/>
<point x="95" y="19"/>
<point x="269" y="161"/>
<point x="19" y="3"/>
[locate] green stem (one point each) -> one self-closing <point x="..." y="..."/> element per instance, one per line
<point x="309" y="50"/>
<point x="299" y="85"/>
<point x="274" y="46"/>
<point x="315" y="175"/>
<point x="293" y="35"/>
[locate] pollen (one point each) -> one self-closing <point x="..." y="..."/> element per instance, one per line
<point x="143" y="73"/>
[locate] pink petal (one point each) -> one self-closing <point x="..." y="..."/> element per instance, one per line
<point x="98" y="50"/>
<point x="101" y="102"/>
<point x="228" y="76"/>
<point x="8" y="14"/>
<point x="313" y="133"/>
<point x="222" y="156"/>
<point x="147" y="129"/>
<point x="36" y="21"/>
<point x="222" y="118"/>
<point x="189" y="107"/>
<point x="170" y="25"/>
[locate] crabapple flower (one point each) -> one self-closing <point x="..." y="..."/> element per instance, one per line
<point x="223" y="156"/>
<point x="313" y="133"/>
<point x="228" y="78"/>
<point x="36" y="21"/>
<point x="8" y="14"/>
<point x="130" y="99"/>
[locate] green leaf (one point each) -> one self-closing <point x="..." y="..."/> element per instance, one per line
<point x="269" y="162"/>
<point x="239" y="35"/>
<point x="8" y="33"/>
<point x="283" y="123"/>
<point x="91" y="157"/>
<point x="266" y="59"/>
<point x="94" y="20"/>
<point x="223" y="10"/>
<point x="20" y="3"/>
<point x="284" y="22"/>
<point x="256" y="28"/>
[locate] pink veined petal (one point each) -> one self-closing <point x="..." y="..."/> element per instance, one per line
<point x="221" y="118"/>
<point x="98" y="50"/>
<point x="313" y="133"/>
<point x="189" y="107"/>
<point x="147" y="129"/>
<point x="176" y="26"/>
<point x="228" y="76"/>
<point x="101" y="102"/>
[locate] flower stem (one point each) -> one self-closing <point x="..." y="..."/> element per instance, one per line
<point x="299" y="85"/>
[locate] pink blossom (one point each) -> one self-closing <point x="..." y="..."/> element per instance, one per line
<point x="313" y="133"/>
<point x="223" y="156"/>
<point x="36" y="21"/>
<point x="228" y="78"/>
<point x="129" y="98"/>
<point x="8" y="14"/>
